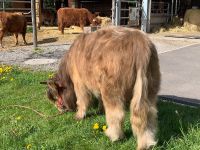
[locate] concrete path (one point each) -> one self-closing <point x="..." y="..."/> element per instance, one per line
<point x="180" y="70"/>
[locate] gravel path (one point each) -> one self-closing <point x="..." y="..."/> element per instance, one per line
<point x="21" y="54"/>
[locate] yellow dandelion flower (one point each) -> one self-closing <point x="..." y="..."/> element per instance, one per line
<point x="96" y="126"/>
<point x="51" y="75"/>
<point x="104" y="128"/>
<point x="8" y="69"/>
<point x="1" y="70"/>
<point x="11" y="79"/>
<point x="28" y="146"/>
<point x="18" y="118"/>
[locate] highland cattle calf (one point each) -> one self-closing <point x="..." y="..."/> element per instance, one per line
<point x="12" y="23"/>
<point x="119" y="66"/>
<point x="74" y="16"/>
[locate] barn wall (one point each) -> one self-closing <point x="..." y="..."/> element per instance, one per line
<point x="102" y="6"/>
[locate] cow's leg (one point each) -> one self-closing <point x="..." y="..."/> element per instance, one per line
<point x="62" y="29"/>
<point x="23" y="36"/>
<point x="1" y="37"/>
<point x="83" y="101"/>
<point x="114" y="110"/>
<point x="143" y="121"/>
<point x="16" y="39"/>
<point x="82" y="27"/>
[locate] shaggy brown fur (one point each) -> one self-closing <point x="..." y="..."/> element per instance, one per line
<point x="12" y="23"/>
<point x="74" y="16"/>
<point x="118" y="65"/>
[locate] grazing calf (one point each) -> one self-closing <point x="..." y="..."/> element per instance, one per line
<point x="118" y="65"/>
<point x="74" y="16"/>
<point x="12" y="23"/>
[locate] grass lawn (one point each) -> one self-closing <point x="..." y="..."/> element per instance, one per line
<point x="22" y="128"/>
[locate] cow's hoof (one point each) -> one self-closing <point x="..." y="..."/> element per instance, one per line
<point x="79" y="116"/>
<point x="114" y="135"/>
<point x="146" y="141"/>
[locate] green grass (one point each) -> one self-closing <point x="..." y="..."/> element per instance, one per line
<point x="179" y="127"/>
<point x="29" y="29"/>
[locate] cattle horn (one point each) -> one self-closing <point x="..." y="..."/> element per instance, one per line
<point x="28" y="13"/>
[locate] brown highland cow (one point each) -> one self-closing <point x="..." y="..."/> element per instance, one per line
<point x="120" y="66"/>
<point x="12" y="23"/>
<point x="74" y="16"/>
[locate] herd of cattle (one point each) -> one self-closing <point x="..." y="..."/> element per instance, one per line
<point x="16" y="22"/>
<point x="118" y="65"/>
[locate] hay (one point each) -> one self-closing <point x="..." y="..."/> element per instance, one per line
<point x="45" y="35"/>
<point x="192" y="16"/>
<point x="191" y="23"/>
<point x="105" y="21"/>
<point x="176" y="29"/>
<point x="192" y="19"/>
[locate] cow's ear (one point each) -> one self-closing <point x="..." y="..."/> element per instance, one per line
<point x="58" y="83"/>
<point x="51" y="85"/>
<point x="54" y="84"/>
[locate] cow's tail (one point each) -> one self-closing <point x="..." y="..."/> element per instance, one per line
<point x="142" y="107"/>
<point x="143" y="113"/>
<point x="140" y="89"/>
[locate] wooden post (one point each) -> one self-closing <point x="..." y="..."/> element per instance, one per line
<point x="38" y="13"/>
<point x="113" y="12"/>
<point x="33" y="15"/>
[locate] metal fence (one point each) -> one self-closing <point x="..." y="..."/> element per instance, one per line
<point x="126" y="12"/>
<point x="17" y="6"/>
<point x="7" y="5"/>
<point x="160" y="8"/>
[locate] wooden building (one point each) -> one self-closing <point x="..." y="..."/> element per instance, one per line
<point x="130" y="12"/>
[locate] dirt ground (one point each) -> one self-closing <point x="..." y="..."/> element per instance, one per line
<point x="45" y="35"/>
<point x="53" y="35"/>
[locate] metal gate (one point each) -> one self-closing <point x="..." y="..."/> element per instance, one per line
<point x="126" y="13"/>
<point x="23" y="6"/>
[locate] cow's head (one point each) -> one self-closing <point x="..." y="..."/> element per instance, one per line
<point x="96" y="21"/>
<point x="62" y="96"/>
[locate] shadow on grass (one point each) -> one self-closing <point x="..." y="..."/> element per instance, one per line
<point x="173" y="119"/>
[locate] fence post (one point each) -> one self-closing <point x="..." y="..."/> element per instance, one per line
<point x="113" y="12"/>
<point x="3" y="5"/>
<point x="118" y="12"/>
<point x="33" y="16"/>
